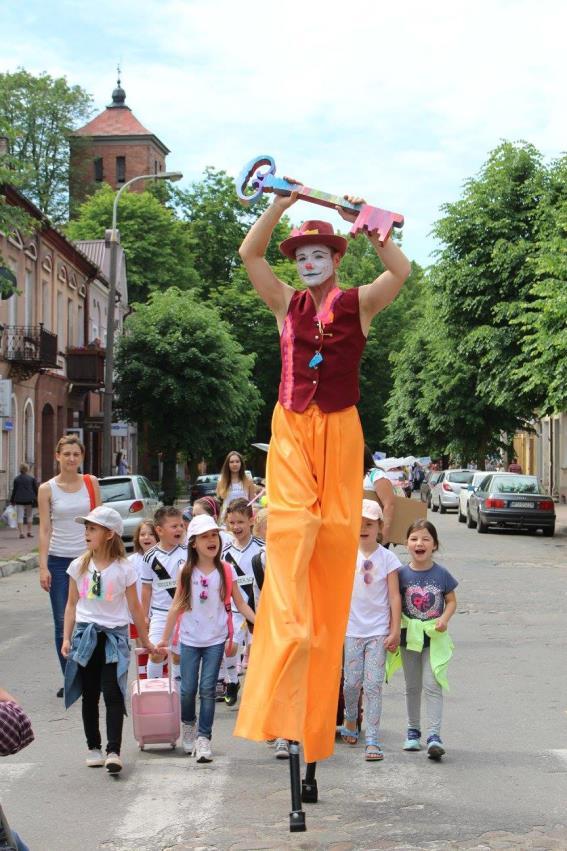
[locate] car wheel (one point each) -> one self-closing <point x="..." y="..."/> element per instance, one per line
<point x="442" y="509"/>
<point x="434" y="507"/>
<point x="462" y="518"/>
<point x="481" y="526"/>
<point x="549" y="531"/>
<point x="470" y="522"/>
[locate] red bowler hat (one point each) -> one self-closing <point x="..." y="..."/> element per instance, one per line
<point x="312" y="232"/>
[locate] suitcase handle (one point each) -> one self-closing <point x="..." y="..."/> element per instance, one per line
<point x="139" y="651"/>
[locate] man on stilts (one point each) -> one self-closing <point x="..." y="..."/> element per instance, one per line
<point x="314" y="481"/>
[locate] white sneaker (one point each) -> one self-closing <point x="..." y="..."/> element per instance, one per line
<point x="189" y="734"/>
<point x="94" y="758"/>
<point x="282" y="749"/>
<point x="203" y="750"/>
<point x="113" y="763"/>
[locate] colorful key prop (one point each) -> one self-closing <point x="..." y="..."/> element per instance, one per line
<point x="252" y="182"/>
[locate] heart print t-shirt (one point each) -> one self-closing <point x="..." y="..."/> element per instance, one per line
<point x="423" y="591"/>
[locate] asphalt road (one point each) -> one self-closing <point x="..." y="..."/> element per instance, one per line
<point x="503" y="783"/>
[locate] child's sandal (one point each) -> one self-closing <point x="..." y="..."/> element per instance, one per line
<point x="347" y="734"/>
<point x="373" y="753"/>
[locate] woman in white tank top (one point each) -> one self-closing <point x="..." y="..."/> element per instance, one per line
<point x="233" y="482"/>
<point x="61" y="540"/>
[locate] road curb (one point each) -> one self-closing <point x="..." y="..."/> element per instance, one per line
<point x="28" y="561"/>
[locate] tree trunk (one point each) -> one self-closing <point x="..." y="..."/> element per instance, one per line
<point x="169" y="476"/>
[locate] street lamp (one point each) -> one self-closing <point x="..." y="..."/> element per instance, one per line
<point x="109" y="360"/>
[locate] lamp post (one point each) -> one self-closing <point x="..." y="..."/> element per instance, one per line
<point x="109" y="360"/>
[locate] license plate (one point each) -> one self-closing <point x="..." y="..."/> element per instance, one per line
<point x="522" y="505"/>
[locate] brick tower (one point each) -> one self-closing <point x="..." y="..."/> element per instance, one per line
<point x="112" y="148"/>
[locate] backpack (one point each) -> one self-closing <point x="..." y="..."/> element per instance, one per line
<point x="227" y="603"/>
<point x="258" y="569"/>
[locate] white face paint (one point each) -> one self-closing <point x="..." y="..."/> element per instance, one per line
<point x="314" y="264"/>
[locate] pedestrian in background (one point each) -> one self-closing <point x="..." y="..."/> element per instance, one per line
<point x="24" y="497"/>
<point x="234" y="483"/>
<point x="61" y="540"/>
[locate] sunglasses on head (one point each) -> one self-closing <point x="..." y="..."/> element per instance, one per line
<point x="96" y="587"/>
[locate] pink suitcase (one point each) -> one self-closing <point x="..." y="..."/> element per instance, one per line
<point x="156" y="711"/>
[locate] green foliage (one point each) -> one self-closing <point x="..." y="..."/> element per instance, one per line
<point x="37" y="114"/>
<point x="181" y="372"/>
<point x="157" y="243"/>
<point x="217" y="224"/>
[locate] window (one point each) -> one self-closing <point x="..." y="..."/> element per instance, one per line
<point x="70" y="323"/>
<point x="29" y="433"/>
<point x="120" y="169"/>
<point x="116" y="490"/>
<point x="46" y="307"/>
<point x="28" y="297"/>
<point x="80" y="326"/>
<point x="60" y="319"/>
<point x="98" y="170"/>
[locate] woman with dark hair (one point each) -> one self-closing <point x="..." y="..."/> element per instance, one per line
<point x="376" y="480"/>
<point x="24" y="497"/>
<point x="64" y="497"/>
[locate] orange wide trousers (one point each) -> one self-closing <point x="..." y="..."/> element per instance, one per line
<point x="314" y="480"/>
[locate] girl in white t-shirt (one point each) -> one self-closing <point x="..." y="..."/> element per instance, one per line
<point x="145" y="537"/>
<point x="102" y="594"/>
<point x="203" y="618"/>
<point x="373" y="628"/>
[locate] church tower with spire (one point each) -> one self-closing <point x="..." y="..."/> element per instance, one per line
<point x="112" y="148"/>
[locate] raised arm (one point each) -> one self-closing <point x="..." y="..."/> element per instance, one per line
<point x="376" y="296"/>
<point x="275" y="293"/>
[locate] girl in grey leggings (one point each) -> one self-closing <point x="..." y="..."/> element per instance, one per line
<point x="428" y="603"/>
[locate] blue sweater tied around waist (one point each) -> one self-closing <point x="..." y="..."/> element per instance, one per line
<point x="85" y="638"/>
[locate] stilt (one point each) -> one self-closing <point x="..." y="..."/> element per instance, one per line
<point x="309" y="792"/>
<point x="296" y="816"/>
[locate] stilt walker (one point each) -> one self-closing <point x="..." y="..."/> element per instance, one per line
<point x="314" y="469"/>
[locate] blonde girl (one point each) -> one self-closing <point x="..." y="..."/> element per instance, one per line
<point x="102" y="593"/>
<point x="145" y="537"/>
<point x="60" y="500"/>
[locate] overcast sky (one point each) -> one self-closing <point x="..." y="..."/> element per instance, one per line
<point x="399" y="103"/>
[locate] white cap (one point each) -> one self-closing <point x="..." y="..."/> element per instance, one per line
<point x="104" y="516"/>
<point x="200" y="524"/>
<point x="371" y="510"/>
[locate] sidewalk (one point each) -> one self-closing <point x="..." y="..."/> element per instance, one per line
<point x="17" y="554"/>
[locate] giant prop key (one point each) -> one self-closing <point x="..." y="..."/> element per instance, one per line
<point x="252" y="182"/>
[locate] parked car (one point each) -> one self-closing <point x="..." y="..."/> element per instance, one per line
<point x="425" y="488"/>
<point x="204" y="486"/>
<point x="134" y="497"/>
<point x="465" y="494"/>
<point x="511" y="500"/>
<point x="445" y="491"/>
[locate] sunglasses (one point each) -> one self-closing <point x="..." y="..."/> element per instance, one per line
<point x="368" y="568"/>
<point x="96" y="588"/>
<point x="204" y="595"/>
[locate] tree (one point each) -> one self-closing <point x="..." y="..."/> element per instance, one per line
<point x="180" y="371"/>
<point x="543" y="318"/>
<point x="218" y="223"/>
<point x="156" y="242"/>
<point x="37" y="114"/>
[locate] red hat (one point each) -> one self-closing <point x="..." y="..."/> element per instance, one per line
<point x="312" y="232"/>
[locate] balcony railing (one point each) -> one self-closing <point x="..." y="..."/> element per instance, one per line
<point x="30" y="347"/>
<point x="85" y="367"/>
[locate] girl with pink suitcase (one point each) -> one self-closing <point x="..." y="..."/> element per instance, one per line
<point x="205" y="588"/>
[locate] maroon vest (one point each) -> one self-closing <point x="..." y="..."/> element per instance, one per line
<point x="333" y="382"/>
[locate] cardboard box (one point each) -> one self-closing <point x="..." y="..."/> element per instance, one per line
<point x="406" y="511"/>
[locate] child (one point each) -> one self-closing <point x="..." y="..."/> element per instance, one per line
<point x="373" y="628"/>
<point x="209" y="505"/>
<point x="200" y="599"/>
<point x="95" y="632"/>
<point x="239" y="554"/>
<point x="145" y="537"/>
<point x="428" y="603"/>
<point x="161" y="565"/>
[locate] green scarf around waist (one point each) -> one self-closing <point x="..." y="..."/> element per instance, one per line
<point x="440" y="648"/>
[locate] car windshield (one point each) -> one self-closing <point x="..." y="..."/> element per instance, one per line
<point x="463" y="477"/>
<point x="116" y="490"/>
<point x="515" y="484"/>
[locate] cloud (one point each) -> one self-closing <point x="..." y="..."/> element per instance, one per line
<point x="401" y="104"/>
